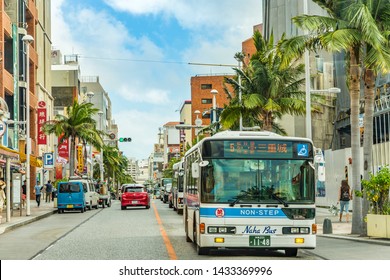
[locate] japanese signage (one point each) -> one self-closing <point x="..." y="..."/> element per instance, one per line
<point x="80" y="159"/>
<point x="63" y="148"/>
<point x="258" y="149"/>
<point x="42" y="117"/>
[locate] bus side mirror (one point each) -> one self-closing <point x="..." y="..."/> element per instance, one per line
<point x="195" y="170"/>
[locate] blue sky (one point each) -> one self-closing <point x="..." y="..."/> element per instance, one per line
<point x="140" y="49"/>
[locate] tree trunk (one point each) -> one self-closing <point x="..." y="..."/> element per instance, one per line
<point x="72" y="156"/>
<point x="369" y="96"/>
<point x="355" y="141"/>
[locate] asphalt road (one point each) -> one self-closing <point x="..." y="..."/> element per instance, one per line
<point x="146" y="234"/>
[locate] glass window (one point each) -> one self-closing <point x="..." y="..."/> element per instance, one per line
<point x="207" y="101"/>
<point x="205" y="86"/>
<point x="69" y="188"/>
<point x="258" y="181"/>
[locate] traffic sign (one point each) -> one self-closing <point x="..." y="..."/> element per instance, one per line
<point x="48" y="160"/>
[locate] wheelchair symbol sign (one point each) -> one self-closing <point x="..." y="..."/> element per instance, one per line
<point x="303" y="150"/>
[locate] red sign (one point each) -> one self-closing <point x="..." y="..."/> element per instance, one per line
<point x="42" y="117"/>
<point x="63" y="148"/>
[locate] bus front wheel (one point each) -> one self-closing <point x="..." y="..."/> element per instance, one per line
<point x="292" y="252"/>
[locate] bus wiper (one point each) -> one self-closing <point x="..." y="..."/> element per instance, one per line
<point x="274" y="196"/>
<point x="234" y="202"/>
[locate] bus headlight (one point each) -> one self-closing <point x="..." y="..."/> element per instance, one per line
<point x="212" y="229"/>
<point x="296" y="230"/>
<point x="222" y="230"/>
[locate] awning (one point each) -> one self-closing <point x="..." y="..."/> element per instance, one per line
<point x="7" y="152"/>
<point x="34" y="161"/>
<point x="16" y="156"/>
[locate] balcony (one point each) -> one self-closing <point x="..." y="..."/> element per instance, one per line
<point x="382" y="105"/>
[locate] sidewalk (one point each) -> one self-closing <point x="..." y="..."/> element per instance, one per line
<point x="36" y="213"/>
<point x="339" y="229"/>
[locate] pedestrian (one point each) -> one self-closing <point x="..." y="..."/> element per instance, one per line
<point x="49" y="189"/>
<point x="2" y="195"/>
<point x="24" y="194"/>
<point x="37" y="190"/>
<point x="345" y="195"/>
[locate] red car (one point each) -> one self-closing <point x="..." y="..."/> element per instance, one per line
<point x="135" y="195"/>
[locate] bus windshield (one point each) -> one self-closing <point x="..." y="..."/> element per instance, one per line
<point x="271" y="181"/>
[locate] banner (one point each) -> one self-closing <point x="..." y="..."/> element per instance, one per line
<point x="63" y="149"/>
<point x="42" y="117"/>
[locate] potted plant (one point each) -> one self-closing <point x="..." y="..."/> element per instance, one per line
<point x="376" y="190"/>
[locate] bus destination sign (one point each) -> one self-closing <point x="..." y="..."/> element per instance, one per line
<point x="265" y="149"/>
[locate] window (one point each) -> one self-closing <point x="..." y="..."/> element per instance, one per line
<point x="205" y="86"/>
<point x="207" y="101"/>
<point x="206" y="116"/>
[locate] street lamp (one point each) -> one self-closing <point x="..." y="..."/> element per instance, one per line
<point x="28" y="39"/>
<point x="332" y="90"/>
<point x="214" y="92"/>
<point x="90" y="94"/>
<point x="239" y="57"/>
<point x="100" y="113"/>
<point x="198" y="124"/>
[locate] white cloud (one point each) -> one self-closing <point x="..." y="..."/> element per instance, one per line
<point x="194" y="14"/>
<point x="144" y="94"/>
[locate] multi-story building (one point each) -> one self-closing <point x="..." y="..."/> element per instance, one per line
<point x="171" y="142"/>
<point x="202" y="98"/>
<point x="65" y="90"/>
<point x="93" y="92"/>
<point x="185" y="118"/>
<point x="332" y="130"/>
<point x="323" y="73"/>
<point x="19" y="31"/>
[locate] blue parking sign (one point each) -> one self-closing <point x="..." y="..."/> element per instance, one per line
<point x="48" y="160"/>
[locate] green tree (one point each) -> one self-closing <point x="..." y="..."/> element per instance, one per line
<point x="349" y="27"/>
<point x="269" y="89"/>
<point x="76" y="125"/>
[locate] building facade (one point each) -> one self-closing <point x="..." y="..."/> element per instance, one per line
<point x="21" y="28"/>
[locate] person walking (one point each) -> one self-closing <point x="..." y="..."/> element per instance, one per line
<point x="37" y="190"/>
<point x="49" y="190"/>
<point x="345" y="195"/>
<point x="24" y="194"/>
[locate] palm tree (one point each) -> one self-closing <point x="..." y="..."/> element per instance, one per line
<point x="269" y="89"/>
<point x="375" y="63"/>
<point x="347" y="29"/>
<point x="78" y="125"/>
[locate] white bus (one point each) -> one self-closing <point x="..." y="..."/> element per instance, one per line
<point x="177" y="185"/>
<point x="250" y="190"/>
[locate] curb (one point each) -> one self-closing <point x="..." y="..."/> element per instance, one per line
<point x="358" y="239"/>
<point x="28" y="221"/>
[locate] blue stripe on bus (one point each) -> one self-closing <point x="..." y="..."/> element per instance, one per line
<point x="241" y="213"/>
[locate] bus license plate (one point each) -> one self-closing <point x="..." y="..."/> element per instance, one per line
<point x="69" y="206"/>
<point x="259" y="240"/>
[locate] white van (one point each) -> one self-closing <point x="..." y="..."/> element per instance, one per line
<point x="91" y="196"/>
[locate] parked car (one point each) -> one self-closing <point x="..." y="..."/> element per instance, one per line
<point x="135" y="195"/>
<point x="91" y="196"/>
<point x="70" y="196"/>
